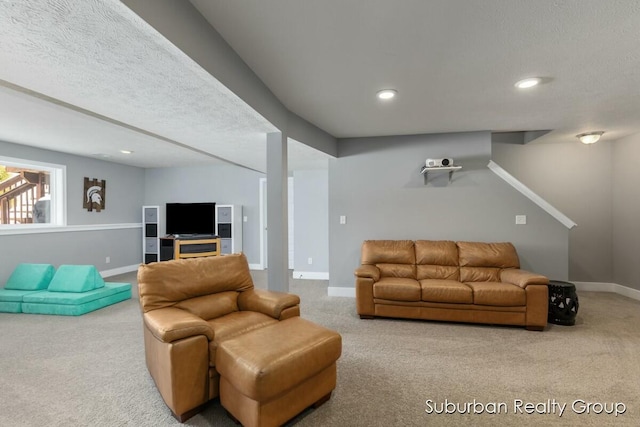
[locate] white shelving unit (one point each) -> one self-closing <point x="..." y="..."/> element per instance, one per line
<point x="229" y="228"/>
<point x="150" y="234"/>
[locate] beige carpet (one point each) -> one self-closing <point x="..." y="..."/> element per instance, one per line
<point x="90" y="371"/>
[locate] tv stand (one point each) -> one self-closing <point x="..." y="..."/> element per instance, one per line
<point x="189" y="246"/>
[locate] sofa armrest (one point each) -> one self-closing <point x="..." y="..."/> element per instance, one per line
<point x="522" y="278"/>
<point x="171" y="324"/>
<point x="270" y="303"/>
<point x="367" y="271"/>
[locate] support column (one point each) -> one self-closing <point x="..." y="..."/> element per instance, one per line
<point x="277" y="219"/>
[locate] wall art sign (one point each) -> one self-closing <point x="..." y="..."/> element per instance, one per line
<point x="94" y="197"/>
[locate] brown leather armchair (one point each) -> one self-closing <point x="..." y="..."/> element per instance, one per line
<point x="189" y="307"/>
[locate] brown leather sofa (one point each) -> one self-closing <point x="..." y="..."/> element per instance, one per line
<point x="449" y="281"/>
<point x="189" y="307"/>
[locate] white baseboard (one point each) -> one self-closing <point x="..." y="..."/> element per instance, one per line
<point x="119" y="270"/>
<point x="608" y="287"/>
<point x="311" y="275"/>
<point x="338" y="291"/>
<point x="256" y="267"/>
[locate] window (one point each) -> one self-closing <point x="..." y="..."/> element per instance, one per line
<point x="31" y="194"/>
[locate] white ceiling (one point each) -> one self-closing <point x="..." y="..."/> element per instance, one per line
<point x="453" y="62"/>
<point x="91" y="77"/>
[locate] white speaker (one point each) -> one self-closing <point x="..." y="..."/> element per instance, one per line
<point x="435" y="163"/>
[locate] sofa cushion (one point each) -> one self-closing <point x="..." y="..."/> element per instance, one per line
<point x="233" y="325"/>
<point x="449" y="291"/>
<point x="443" y="272"/>
<point x="76" y="278"/>
<point x="397" y="289"/>
<point x="388" y="252"/>
<point x="30" y="277"/>
<point x="209" y="307"/>
<point x="478" y="254"/>
<point x="498" y="293"/>
<point x="436" y="259"/>
<point x="164" y="284"/>
<point x="482" y="262"/>
<point x="479" y="274"/>
<point x="76" y="298"/>
<point x="397" y="270"/>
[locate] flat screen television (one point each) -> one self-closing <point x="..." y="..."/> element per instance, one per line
<point x="191" y="218"/>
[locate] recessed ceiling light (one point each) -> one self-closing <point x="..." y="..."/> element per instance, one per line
<point x="387" y="94"/>
<point x="126" y="151"/>
<point x="527" y="83"/>
<point x="590" y="137"/>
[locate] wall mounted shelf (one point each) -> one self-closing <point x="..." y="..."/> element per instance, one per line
<point x="451" y="169"/>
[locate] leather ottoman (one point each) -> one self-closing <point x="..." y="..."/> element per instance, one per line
<point x="270" y="375"/>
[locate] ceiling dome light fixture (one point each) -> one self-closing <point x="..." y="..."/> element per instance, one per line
<point x="590" y="137"/>
<point x="387" y="94"/>
<point x="528" y="83"/>
<point x="126" y="151"/>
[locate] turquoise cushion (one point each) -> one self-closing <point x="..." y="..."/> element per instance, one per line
<point x="75" y="309"/>
<point x="74" y="298"/>
<point x="76" y="278"/>
<point x="10" y="307"/>
<point x="14" y="295"/>
<point x="30" y="277"/>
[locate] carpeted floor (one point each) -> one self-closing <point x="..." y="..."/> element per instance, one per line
<point x="90" y="370"/>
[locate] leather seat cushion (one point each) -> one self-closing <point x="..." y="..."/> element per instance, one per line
<point x="233" y="325"/>
<point x="407" y="271"/>
<point x="448" y="291"/>
<point x="211" y="306"/>
<point x="498" y="293"/>
<point x="397" y="289"/>
<point x="437" y="272"/>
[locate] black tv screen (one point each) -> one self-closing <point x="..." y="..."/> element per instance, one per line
<point x="191" y="218"/>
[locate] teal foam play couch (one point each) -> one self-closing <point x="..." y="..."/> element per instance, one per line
<point x="26" y="279"/>
<point x="73" y="290"/>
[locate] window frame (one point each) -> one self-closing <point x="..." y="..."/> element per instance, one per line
<point x="58" y="192"/>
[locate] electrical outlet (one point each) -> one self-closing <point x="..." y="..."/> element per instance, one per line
<point x="245" y="219"/>
<point x="521" y="219"/>
<point x="310" y="261"/>
<point x="343" y="219"/>
<point x="107" y="260"/>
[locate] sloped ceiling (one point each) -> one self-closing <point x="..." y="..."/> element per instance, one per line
<point x="91" y="77"/>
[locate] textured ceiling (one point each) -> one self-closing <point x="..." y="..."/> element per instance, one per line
<point x="453" y="62"/>
<point x="112" y="82"/>
<point x="91" y="77"/>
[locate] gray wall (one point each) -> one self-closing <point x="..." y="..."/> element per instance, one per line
<point x="576" y="179"/>
<point x="376" y="183"/>
<point x="222" y="184"/>
<point x="125" y="187"/>
<point x="626" y="211"/>
<point x="311" y="221"/>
